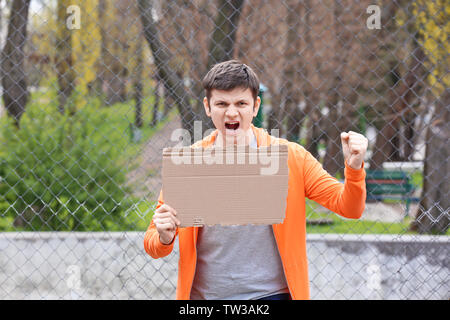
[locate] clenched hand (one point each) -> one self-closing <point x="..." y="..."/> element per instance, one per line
<point x="166" y="223"/>
<point x="354" y="147"/>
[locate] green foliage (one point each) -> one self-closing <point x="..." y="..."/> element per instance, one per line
<point x="433" y="24"/>
<point x="417" y="179"/>
<point x="62" y="172"/>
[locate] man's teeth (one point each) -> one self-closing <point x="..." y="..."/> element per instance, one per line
<point x="232" y="125"/>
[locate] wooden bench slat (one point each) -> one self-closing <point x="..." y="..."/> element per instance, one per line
<point x="386" y="181"/>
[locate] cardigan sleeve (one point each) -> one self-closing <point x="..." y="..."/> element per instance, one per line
<point x="346" y="199"/>
<point x="152" y="244"/>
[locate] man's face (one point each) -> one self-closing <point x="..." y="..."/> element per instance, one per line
<point x="232" y="113"/>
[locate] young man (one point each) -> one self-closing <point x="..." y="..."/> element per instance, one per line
<point x="253" y="261"/>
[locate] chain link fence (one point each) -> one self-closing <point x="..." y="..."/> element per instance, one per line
<point x="92" y="91"/>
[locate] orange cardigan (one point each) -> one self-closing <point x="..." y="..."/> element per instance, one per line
<point x="308" y="179"/>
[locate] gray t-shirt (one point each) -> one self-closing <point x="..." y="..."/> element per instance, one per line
<point x="237" y="262"/>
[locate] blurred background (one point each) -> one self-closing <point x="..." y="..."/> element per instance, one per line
<point x="92" y="90"/>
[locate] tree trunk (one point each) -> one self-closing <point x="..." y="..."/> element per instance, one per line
<point x="271" y="120"/>
<point x="291" y="56"/>
<point x="221" y="45"/>
<point x="115" y="76"/>
<point x="333" y="156"/>
<point x="167" y="104"/>
<point x="383" y="146"/>
<point x="100" y="77"/>
<point x="138" y="83"/>
<point x="312" y="108"/>
<point x="433" y="215"/>
<point x="403" y="97"/>
<point x="198" y="67"/>
<point x="172" y="81"/>
<point x="15" y="92"/>
<point x="114" y="52"/>
<point x="157" y="99"/>
<point x="314" y="131"/>
<point x="409" y="136"/>
<point x="66" y="77"/>
<point x="275" y="121"/>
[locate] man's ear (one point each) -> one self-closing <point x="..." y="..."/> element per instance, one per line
<point x="207" y="107"/>
<point x="256" y="106"/>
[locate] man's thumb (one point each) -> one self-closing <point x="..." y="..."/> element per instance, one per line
<point x="344" y="137"/>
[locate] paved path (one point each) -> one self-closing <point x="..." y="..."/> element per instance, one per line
<point x="146" y="178"/>
<point x="388" y="212"/>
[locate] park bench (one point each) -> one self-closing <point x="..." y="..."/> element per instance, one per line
<point x="390" y="185"/>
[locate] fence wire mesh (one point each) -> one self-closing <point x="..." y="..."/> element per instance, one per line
<point x="92" y="91"/>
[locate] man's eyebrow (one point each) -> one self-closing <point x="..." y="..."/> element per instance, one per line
<point x="220" y="101"/>
<point x="237" y="100"/>
<point x="243" y="100"/>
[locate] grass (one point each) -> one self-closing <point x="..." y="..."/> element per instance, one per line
<point x="353" y="226"/>
<point x="343" y="225"/>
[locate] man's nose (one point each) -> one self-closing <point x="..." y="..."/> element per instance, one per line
<point x="232" y="111"/>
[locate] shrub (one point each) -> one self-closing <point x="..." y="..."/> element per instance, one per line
<point x="61" y="172"/>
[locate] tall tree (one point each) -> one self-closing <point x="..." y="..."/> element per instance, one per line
<point x="157" y="95"/>
<point x="86" y="48"/>
<point x="223" y="38"/>
<point x="223" y="17"/>
<point x="101" y="63"/>
<point x="262" y="42"/>
<point x="433" y="22"/>
<point x="336" y="119"/>
<point x="433" y="215"/>
<point x="406" y="86"/>
<point x="293" y="70"/>
<point x="137" y="79"/>
<point x="162" y="59"/>
<point x="15" y="92"/>
<point x="64" y="62"/>
<point x="167" y="58"/>
<point x="113" y="61"/>
<point x="222" y="41"/>
<point x="342" y="94"/>
<point x="312" y="108"/>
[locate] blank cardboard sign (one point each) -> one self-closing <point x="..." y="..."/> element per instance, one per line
<point x="233" y="186"/>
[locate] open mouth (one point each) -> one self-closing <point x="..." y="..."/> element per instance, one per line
<point x="232" y="125"/>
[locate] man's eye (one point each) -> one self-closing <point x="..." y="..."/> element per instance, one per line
<point x="242" y="103"/>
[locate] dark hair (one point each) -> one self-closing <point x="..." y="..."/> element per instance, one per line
<point x="229" y="75"/>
